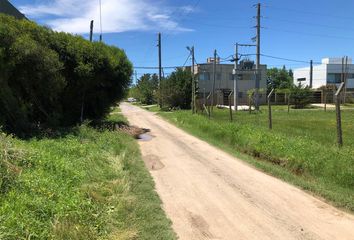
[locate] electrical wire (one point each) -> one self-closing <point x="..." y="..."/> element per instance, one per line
<point x="310" y="34"/>
<point x="309" y="23"/>
<point x="187" y="59"/>
<point x="288" y="59"/>
<point x="309" y="12"/>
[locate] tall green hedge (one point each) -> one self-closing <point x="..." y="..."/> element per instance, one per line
<point x="46" y="77"/>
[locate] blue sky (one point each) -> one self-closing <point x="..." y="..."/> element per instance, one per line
<point x="300" y="30"/>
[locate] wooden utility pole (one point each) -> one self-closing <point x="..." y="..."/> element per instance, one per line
<point x="311" y="73"/>
<point x="194" y="85"/>
<point x="214" y="78"/>
<point x="101" y="20"/>
<point x="91" y="30"/>
<point x="83" y="96"/>
<point x="236" y="77"/>
<point x="258" y="60"/>
<point x="160" y="67"/>
<point x="342" y="74"/>
<point x="345" y="79"/>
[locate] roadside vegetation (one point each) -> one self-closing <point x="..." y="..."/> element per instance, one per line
<point x="53" y="79"/>
<point x="86" y="184"/>
<point x="175" y="90"/>
<point x="300" y="149"/>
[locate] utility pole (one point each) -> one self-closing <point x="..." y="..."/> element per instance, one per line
<point x="91" y="30"/>
<point x="311" y="73"/>
<point x="214" y="78"/>
<point x="194" y="84"/>
<point x="258" y="43"/>
<point x="101" y="20"/>
<point x="83" y="96"/>
<point x="160" y="68"/>
<point x="342" y="74"/>
<point x="236" y="77"/>
<point x="345" y="79"/>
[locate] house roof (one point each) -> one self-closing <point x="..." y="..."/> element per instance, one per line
<point x="7" y="8"/>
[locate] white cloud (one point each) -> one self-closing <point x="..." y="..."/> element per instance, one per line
<point x="117" y="15"/>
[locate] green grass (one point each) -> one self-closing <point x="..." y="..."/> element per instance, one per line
<point x="312" y="124"/>
<point x="300" y="149"/>
<point x="88" y="184"/>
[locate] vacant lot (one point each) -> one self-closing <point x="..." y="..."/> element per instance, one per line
<point x="300" y="149"/>
<point x="83" y="184"/>
<point x="313" y="124"/>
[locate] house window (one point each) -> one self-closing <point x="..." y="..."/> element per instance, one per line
<point x="204" y="76"/>
<point x="334" y="78"/>
<point x="231" y="77"/>
<point x="218" y="76"/>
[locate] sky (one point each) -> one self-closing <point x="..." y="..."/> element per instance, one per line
<point x="299" y="30"/>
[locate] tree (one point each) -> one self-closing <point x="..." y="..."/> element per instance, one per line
<point x="146" y="88"/>
<point x="176" y="90"/>
<point x="279" y="78"/>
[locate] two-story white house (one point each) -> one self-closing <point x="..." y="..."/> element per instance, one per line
<point x="329" y="72"/>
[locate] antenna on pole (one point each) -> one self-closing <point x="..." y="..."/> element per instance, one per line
<point x="101" y="20"/>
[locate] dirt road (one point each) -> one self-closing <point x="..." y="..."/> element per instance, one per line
<point x="209" y="194"/>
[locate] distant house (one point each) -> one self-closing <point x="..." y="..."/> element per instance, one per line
<point x="7" y="8"/>
<point x="329" y="72"/>
<point x="224" y="80"/>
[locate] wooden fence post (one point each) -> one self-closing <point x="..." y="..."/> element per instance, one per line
<point x="338" y="115"/>
<point x="229" y="97"/>
<point x="325" y="101"/>
<point x="270" y="109"/>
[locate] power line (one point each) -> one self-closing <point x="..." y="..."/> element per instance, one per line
<point x="310" y="34"/>
<point x="309" y="23"/>
<point x="310" y="13"/>
<point x="169" y="67"/>
<point x="288" y="59"/>
<point x="187" y="59"/>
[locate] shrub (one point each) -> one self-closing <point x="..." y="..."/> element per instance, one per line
<point x="301" y="96"/>
<point x="47" y="77"/>
<point x="176" y="90"/>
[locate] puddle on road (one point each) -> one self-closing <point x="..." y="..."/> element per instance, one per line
<point x="145" y="137"/>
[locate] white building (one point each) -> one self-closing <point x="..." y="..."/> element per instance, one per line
<point x="329" y="72"/>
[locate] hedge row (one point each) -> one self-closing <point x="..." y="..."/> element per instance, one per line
<point x="48" y="77"/>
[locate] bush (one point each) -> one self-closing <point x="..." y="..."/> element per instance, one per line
<point x="176" y="90"/>
<point x="301" y="96"/>
<point x="47" y="77"/>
